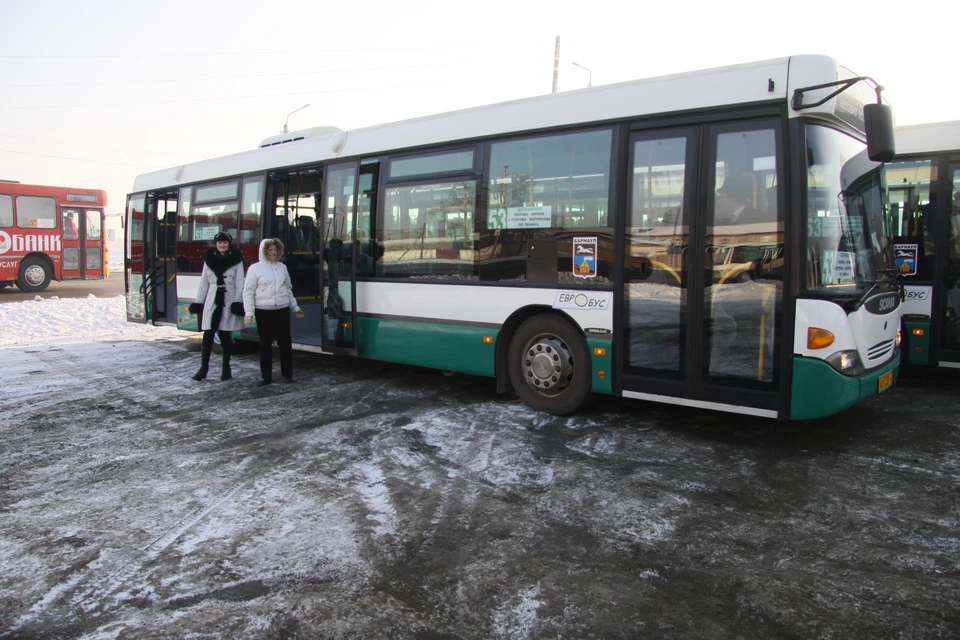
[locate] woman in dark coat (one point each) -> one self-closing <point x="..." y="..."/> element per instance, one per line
<point x="221" y="285"/>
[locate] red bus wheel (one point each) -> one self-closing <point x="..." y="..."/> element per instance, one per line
<point x="34" y="275"/>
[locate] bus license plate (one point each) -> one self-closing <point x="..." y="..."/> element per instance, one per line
<point x="884" y="381"/>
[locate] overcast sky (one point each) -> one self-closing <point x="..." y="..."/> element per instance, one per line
<point x="93" y="94"/>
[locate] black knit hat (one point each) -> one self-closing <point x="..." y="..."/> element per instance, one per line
<point x="223" y="235"/>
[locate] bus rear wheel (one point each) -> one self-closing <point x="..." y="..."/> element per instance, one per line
<point x="549" y="365"/>
<point x="34" y="275"/>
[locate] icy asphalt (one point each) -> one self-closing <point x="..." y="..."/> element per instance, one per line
<point x="371" y="500"/>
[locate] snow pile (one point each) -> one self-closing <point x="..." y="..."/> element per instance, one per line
<point x="53" y="321"/>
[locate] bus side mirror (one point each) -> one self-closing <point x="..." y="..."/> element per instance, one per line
<point x="878" y="121"/>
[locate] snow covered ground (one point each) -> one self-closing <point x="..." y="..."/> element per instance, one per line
<point x="50" y="320"/>
<point x="379" y="501"/>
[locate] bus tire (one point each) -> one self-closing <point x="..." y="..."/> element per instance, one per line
<point x="34" y="275"/>
<point x="549" y="365"/>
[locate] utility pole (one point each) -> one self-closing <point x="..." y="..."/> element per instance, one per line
<point x="556" y="64"/>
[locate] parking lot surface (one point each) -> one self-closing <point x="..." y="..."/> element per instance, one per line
<point x="372" y="500"/>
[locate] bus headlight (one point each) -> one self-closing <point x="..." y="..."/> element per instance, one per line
<point x="846" y="362"/>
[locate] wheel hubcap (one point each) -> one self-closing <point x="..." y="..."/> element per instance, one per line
<point x="547" y="365"/>
<point x="33" y="275"/>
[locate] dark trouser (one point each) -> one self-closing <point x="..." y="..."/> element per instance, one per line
<point x="274" y="324"/>
<point x="206" y="346"/>
<point x="226" y="339"/>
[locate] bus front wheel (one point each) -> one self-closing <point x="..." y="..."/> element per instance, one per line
<point x="549" y="365"/>
<point x="34" y="275"/>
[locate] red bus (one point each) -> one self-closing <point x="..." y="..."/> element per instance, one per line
<point x="50" y="233"/>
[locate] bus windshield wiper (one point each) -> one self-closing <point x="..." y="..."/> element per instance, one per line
<point x="863" y="299"/>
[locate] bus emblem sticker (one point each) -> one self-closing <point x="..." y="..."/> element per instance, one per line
<point x="585" y="257"/>
<point x="5" y="242"/>
<point x="906" y="258"/>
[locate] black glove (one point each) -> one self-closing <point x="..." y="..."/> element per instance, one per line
<point x="196" y="308"/>
<point x="236" y="308"/>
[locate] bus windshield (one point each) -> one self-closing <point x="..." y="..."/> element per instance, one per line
<point x="849" y="244"/>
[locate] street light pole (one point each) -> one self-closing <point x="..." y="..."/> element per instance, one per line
<point x="556" y="64"/>
<point x="285" y="129"/>
<point x="590" y="81"/>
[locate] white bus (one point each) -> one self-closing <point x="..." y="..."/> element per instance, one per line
<point x="924" y="192"/>
<point x="562" y="244"/>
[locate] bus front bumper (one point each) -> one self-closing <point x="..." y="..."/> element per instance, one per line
<point x="820" y="390"/>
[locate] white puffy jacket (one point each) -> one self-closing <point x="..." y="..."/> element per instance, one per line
<point x="268" y="285"/>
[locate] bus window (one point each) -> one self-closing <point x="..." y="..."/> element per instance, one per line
<point x="36" y="212"/>
<point x="955" y="215"/>
<point x="70" y="231"/>
<point x="951" y="271"/>
<point x="911" y="204"/>
<point x="94" y="231"/>
<point x="848" y="239"/>
<point x="212" y="209"/>
<point x="550" y="181"/>
<point x="251" y="208"/>
<point x="449" y="162"/>
<point x="744" y="298"/>
<point x="539" y="187"/>
<point x="294" y="219"/>
<point x="655" y="258"/>
<point x="368" y="251"/>
<point x="6" y="211"/>
<point x="428" y="231"/>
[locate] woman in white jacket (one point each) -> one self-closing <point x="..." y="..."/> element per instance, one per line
<point x="268" y="295"/>
<point x="218" y="298"/>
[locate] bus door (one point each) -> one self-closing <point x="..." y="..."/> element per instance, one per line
<point x="949" y="355"/>
<point x="293" y="213"/>
<point x="698" y="322"/>
<point x="911" y="202"/>
<point x="82" y="245"/>
<point x="161" y="262"/>
<point x="134" y="259"/>
<point x="338" y="282"/>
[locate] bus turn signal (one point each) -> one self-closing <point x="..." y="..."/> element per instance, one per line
<point x="818" y="338"/>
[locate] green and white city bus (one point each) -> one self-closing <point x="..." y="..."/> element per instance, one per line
<point x="924" y="192"/>
<point x="564" y="244"/>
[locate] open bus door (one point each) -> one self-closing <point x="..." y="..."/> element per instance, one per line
<point x="161" y="262"/>
<point x="150" y="258"/>
<point x="338" y="281"/>
<point x="134" y="260"/>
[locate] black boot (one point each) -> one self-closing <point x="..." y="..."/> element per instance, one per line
<point x="227" y="345"/>
<point x="205" y="348"/>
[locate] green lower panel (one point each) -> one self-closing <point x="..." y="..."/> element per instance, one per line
<point x="186" y="321"/>
<point x="917" y="347"/>
<point x="820" y="390"/>
<point x="602" y="365"/>
<point x="438" y="346"/>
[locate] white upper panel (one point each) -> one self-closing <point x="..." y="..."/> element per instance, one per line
<point x="734" y="85"/>
<point x="933" y="137"/>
